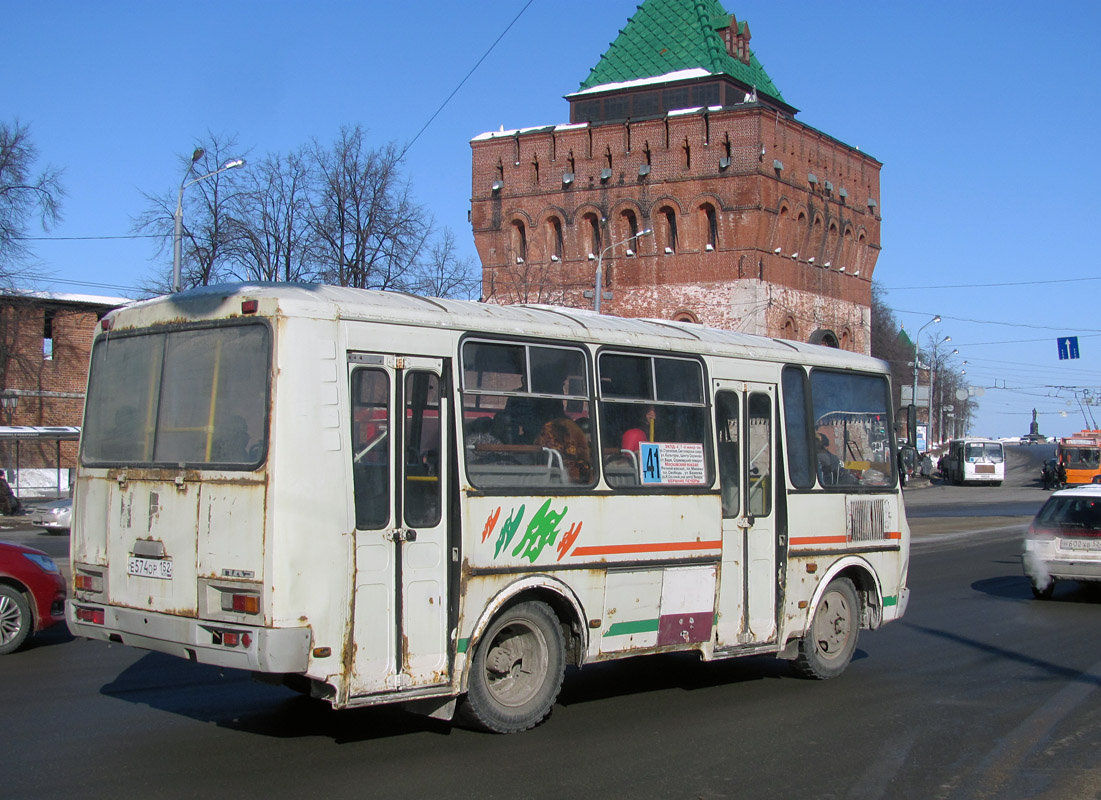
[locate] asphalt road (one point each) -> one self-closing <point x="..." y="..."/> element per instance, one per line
<point x="980" y="691"/>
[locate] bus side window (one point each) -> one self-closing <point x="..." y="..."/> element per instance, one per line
<point x="371" y="448"/>
<point x="726" y="429"/>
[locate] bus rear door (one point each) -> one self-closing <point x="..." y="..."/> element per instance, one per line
<point x="400" y="469"/>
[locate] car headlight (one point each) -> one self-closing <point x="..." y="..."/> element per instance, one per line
<point x="44" y="563"/>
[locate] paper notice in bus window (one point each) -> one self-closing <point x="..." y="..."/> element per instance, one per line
<point x="672" y="463"/>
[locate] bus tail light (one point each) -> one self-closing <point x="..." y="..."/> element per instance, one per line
<point x="245" y="603"/>
<point x="95" y="616"/>
<point x="250" y="306"/>
<point x="232" y="638"/>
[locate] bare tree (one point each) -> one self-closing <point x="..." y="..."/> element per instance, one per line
<point x="208" y="219"/>
<point x="271" y="238"/>
<point x="443" y="274"/>
<point x="528" y="281"/>
<point x="367" y="230"/>
<point x="23" y="194"/>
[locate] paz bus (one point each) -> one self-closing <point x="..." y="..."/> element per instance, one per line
<point x="1080" y="455"/>
<point x="380" y="498"/>
<point x="974" y="460"/>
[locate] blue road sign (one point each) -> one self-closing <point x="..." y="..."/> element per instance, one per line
<point x="1068" y="347"/>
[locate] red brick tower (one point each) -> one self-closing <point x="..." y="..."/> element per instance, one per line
<point x="759" y="223"/>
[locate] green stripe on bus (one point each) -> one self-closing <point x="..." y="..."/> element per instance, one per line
<point x="627" y="628"/>
<point x="890" y="601"/>
<point x="463" y="644"/>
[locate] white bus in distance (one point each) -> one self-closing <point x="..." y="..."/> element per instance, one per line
<point x="974" y="460"/>
<point x="381" y="498"/>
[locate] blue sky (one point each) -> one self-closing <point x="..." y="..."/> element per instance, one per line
<point x="984" y="115"/>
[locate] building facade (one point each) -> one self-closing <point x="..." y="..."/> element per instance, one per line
<point x="45" y="345"/>
<point x="685" y="180"/>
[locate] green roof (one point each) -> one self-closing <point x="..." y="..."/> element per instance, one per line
<point x="667" y="36"/>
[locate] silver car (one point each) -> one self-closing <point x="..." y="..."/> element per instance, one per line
<point x="1064" y="541"/>
<point x="55" y="515"/>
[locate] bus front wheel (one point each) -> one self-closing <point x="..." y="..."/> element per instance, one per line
<point x="516" y="670"/>
<point x="828" y="646"/>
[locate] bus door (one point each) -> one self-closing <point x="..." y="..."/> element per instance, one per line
<point x="400" y="463"/>
<point x="744" y="417"/>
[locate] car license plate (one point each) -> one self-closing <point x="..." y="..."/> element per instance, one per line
<point x="1080" y="544"/>
<point x="150" y="567"/>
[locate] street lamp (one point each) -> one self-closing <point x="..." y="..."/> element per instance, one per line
<point x="599" y="266"/>
<point x="913" y="387"/>
<point x="184" y="183"/>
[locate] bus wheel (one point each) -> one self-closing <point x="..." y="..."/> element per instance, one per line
<point x="516" y="671"/>
<point x="828" y="646"/>
<point x="15" y="619"/>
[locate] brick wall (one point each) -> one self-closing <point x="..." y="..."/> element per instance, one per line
<point x="722" y="191"/>
<point x="40" y="390"/>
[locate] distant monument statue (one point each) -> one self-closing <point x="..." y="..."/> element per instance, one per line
<point x="1034" y="428"/>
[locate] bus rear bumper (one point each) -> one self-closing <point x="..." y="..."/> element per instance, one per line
<point x="258" y="649"/>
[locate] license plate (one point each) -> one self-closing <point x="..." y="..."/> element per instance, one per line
<point x="150" y="567"/>
<point x="1080" y="544"/>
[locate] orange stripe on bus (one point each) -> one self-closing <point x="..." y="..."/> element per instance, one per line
<point x="820" y="540"/>
<point x="894" y="534"/>
<point x="621" y="549"/>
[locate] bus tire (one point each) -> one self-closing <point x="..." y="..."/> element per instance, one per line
<point x="829" y="644"/>
<point x="516" y="671"/>
<point x="16" y="620"/>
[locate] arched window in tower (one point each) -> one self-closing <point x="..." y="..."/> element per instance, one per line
<point x="848" y="260"/>
<point x="518" y="241"/>
<point x="590" y="225"/>
<point x="800" y="235"/>
<point x="629" y="228"/>
<point x="709" y="222"/>
<point x="782" y="235"/>
<point x="668" y="219"/>
<point x="535" y="169"/>
<point x="833" y="246"/>
<point x="846" y="340"/>
<point x="789" y="329"/>
<point x="860" y="254"/>
<point x="555" y="242"/>
<point x="686" y="316"/>
<point x="815" y="242"/>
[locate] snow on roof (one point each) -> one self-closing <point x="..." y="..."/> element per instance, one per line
<point x="679" y="75"/>
<point x="502" y="133"/>
<point x="65" y="297"/>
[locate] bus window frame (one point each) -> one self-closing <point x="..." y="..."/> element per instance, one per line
<point x="706" y="406"/>
<point x="526" y="342"/>
<point x="808" y="395"/>
<point x="105" y="339"/>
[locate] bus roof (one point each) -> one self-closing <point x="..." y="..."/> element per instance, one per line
<point x="337" y="302"/>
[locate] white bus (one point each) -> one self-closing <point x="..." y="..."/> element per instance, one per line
<point x="380" y="498"/>
<point x="974" y="460"/>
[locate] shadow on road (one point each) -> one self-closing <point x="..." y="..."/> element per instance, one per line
<point x="231" y="699"/>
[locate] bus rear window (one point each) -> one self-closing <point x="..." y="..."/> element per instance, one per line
<point x="195" y="398"/>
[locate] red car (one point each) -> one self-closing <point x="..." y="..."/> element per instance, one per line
<point x="32" y="594"/>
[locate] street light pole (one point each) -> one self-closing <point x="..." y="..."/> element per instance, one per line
<point x="177" y="237"/>
<point x="600" y="269"/>
<point x="913" y="388"/>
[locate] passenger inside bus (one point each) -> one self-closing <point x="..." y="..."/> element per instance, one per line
<point x="829" y="465"/>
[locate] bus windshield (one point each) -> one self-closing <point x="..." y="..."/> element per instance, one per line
<point x="1083" y="457"/>
<point x="193" y="397"/>
<point x="984" y="451"/>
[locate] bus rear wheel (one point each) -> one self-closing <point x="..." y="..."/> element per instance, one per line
<point x="517" y="670"/>
<point x="828" y="647"/>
